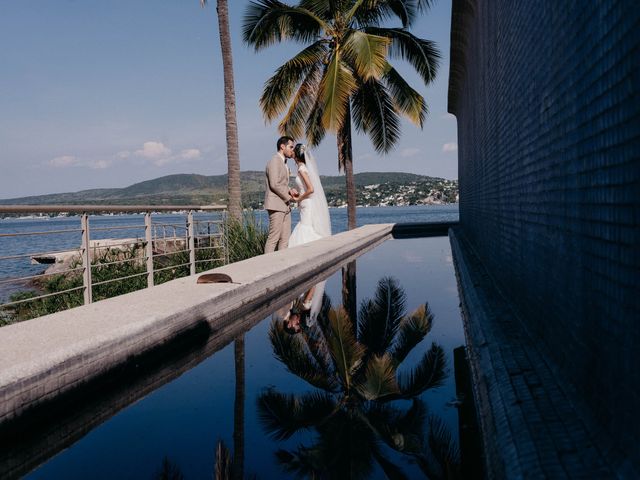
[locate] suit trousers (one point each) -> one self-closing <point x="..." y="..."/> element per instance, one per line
<point x="279" y="231"/>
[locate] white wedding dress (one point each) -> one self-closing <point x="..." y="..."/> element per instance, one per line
<point x="314" y="212"/>
<point x="314" y="223"/>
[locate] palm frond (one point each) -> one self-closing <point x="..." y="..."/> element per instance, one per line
<point x="319" y="348"/>
<point x="441" y="456"/>
<point x="412" y="330"/>
<point x="335" y="89"/>
<point x="406" y="100"/>
<point x="282" y="415"/>
<point x="270" y="21"/>
<point x="293" y="353"/>
<point x="346" y="352"/>
<point x="315" y="129"/>
<point x="441" y="442"/>
<point x="294" y="121"/>
<point x="374" y="114"/>
<point x="411" y="426"/>
<point x="367" y="53"/>
<point x="373" y="12"/>
<point x="303" y="463"/>
<point x="378" y="319"/>
<point x="379" y="379"/>
<point x="324" y="9"/>
<point x="402" y="431"/>
<point x="280" y="87"/>
<point x="422" y="54"/>
<point x="430" y="372"/>
<point x="424" y="5"/>
<point x="346" y="442"/>
<point x="390" y="469"/>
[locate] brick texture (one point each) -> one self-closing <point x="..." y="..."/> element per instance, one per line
<point x="548" y="108"/>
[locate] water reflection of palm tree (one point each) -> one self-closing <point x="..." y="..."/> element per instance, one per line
<point x="228" y="466"/>
<point x="356" y="367"/>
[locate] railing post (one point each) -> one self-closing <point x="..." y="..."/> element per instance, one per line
<point x="192" y="244"/>
<point x="148" y="249"/>
<point x="225" y="229"/>
<point x="86" y="259"/>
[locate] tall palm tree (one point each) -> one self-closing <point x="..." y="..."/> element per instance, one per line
<point x="354" y="364"/>
<point x="344" y="74"/>
<point x="231" y="123"/>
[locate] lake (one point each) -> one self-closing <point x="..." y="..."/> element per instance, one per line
<point x="70" y="238"/>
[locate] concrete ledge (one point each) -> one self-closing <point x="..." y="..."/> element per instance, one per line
<point x="43" y="358"/>
<point x="533" y="424"/>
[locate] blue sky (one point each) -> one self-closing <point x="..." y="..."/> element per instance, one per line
<point x="106" y="94"/>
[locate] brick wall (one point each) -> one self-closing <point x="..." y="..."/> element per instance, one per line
<point x="548" y="107"/>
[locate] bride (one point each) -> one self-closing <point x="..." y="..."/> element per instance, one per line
<point x="312" y="203"/>
<point x="314" y="224"/>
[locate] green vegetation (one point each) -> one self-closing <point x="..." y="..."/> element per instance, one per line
<point x="124" y="271"/>
<point x="245" y="238"/>
<point x="204" y="190"/>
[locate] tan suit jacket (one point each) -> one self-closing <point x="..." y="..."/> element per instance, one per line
<point x="277" y="196"/>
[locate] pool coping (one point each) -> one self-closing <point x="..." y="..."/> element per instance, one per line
<point x="43" y="358"/>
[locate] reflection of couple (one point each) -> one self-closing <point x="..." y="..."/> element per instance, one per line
<point x="304" y="310"/>
<point x="314" y="212"/>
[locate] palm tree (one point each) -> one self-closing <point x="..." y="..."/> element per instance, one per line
<point x="355" y="368"/>
<point x="344" y="74"/>
<point x="231" y="123"/>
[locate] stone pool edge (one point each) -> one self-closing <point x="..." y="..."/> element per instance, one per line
<point x="50" y="355"/>
<point x="531" y="423"/>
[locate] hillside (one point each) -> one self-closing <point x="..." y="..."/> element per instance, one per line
<point x="372" y="188"/>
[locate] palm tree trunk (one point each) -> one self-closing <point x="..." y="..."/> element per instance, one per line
<point x="345" y="159"/>
<point x="233" y="155"/>
<point x="238" y="411"/>
<point x="349" y="298"/>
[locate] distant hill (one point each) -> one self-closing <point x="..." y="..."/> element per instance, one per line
<point x="195" y="189"/>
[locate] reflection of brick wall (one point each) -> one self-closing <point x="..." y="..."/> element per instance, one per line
<point x="548" y="107"/>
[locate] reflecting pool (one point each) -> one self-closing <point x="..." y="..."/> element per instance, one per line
<point x="365" y="395"/>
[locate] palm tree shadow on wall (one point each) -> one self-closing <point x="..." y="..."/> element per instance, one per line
<point x="363" y="410"/>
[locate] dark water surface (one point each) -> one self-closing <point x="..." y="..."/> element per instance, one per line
<point x="182" y="421"/>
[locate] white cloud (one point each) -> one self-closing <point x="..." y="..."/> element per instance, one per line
<point x="159" y="154"/>
<point x="123" y="155"/>
<point x="154" y="150"/>
<point x="64" y="161"/>
<point x="99" y="164"/>
<point x="190" y="154"/>
<point x="450" y="147"/>
<point x="409" y="152"/>
<point x="73" y="161"/>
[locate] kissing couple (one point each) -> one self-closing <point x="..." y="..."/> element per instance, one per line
<point x="309" y="195"/>
<point x="314" y="220"/>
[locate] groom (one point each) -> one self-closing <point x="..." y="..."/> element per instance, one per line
<point x="278" y="195"/>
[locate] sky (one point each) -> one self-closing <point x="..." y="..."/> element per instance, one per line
<point x="106" y="94"/>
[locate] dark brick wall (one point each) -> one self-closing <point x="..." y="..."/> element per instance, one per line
<point x="548" y="108"/>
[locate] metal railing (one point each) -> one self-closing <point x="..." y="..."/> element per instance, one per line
<point x="103" y="250"/>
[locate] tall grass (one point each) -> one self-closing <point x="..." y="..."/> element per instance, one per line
<point x="245" y="238"/>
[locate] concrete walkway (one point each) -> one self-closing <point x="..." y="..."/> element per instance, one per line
<point x="43" y="358"/>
